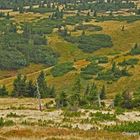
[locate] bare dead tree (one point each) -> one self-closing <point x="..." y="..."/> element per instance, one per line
<point x="99" y="100"/>
<point x="38" y="96"/>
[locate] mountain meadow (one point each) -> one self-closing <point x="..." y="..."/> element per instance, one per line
<point x="69" y="69"/>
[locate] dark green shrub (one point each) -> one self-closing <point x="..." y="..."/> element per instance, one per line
<point x="131" y="61"/>
<point x="125" y="127"/>
<point x="99" y="116"/>
<point x="90" y="43"/>
<point x="135" y="50"/>
<point x="88" y="27"/>
<point x="92" y="69"/>
<point x="61" y="69"/>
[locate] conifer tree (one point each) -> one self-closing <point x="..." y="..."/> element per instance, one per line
<point x="42" y="84"/>
<point x="31" y="89"/>
<point x="61" y="100"/>
<point x="103" y="93"/>
<point x="19" y="85"/>
<point x="74" y="98"/>
<point x="3" y="91"/>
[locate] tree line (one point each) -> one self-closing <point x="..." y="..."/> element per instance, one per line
<point x="91" y="96"/>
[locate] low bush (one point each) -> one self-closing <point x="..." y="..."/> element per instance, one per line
<point x="88" y="27"/>
<point x="125" y="127"/>
<point x="131" y="61"/>
<point x="92" y="69"/>
<point x="61" y="69"/>
<point x="90" y="43"/>
<point x="99" y="116"/>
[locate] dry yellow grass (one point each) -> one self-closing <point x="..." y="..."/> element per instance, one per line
<point x="81" y="64"/>
<point x="38" y="133"/>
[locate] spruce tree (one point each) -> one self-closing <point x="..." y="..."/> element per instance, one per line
<point x="87" y="90"/>
<point x="103" y="93"/>
<point x="113" y="69"/>
<point x="61" y="100"/>
<point x="31" y="89"/>
<point x="74" y="98"/>
<point x="118" y="100"/>
<point x="42" y="85"/>
<point x="3" y="91"/>
<point x="19" y="85"/>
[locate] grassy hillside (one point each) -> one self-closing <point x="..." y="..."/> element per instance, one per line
<point x="123" y="41"/>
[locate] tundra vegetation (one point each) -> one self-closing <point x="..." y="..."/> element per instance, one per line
<point x="69" y="69"/>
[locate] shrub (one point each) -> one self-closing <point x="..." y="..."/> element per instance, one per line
<point x="41" y="10"/>
<point x="88" y="27"/>
<point x="72" y="20"/>
<point x="135" y="50"/>
<point x="90" y="43"/>
<point x="61" y="69"/>
<point x="17" y="49"/>
<point x="129" y="19"/>
<point x="72" y="114"/>
<point x="5" y="122"/>
<point x="99" y="116"/>
<point x="12" y="59"/>
<point x="125" y="127"/>
<point x="131" y="61"/>
<point x="92" y="69"/>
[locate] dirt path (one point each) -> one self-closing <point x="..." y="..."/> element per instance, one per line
<point x="8" y="81"/>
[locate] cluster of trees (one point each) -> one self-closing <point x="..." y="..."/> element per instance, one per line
<point x="90" y="43"/>
<point x="27" y="88"/>
<point x="91" y="96"/>
<point x="58" y="14"/>
<point x="128" y="99"/>
<point x="77" y="97"/>
<point x="129" y="19"/>
<point x="113" y="74"/>
<point x="74" y="4"/>
<point x="92" y="69"/>
<point x="61" y="69"/>
<point x="72" y="20"/>
<point x="105" y="6"/>
<point x="131" y="62"/>
<point x="17" y="49"/>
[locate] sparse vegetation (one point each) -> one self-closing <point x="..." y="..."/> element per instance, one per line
<point x="126" y="127"/>
<point x="77" y="59"/>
